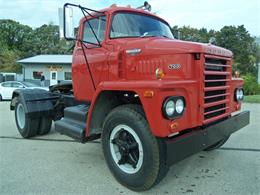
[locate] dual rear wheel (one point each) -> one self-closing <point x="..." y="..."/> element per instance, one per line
<point x="30" y="126"/>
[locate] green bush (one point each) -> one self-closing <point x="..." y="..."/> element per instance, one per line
<point x="251" y="86"/>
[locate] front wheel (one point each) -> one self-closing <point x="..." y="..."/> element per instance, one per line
<point x="134" y="156"/>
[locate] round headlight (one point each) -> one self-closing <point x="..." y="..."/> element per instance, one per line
<point x="241" y="94"/>
<point x="169" y="108"/>
<point x="179" y="106"/>
<point x="237" y="95"/>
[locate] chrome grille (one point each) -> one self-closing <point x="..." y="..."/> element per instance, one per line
<point x="217" y="76"/>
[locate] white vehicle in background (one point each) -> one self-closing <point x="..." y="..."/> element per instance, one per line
<point x="7" y="76"/>
<point x="7" y="88"/>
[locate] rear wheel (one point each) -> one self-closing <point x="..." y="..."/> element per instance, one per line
<point x="134" y="156"/>
<point x="27" y="126"/>
<point x="1" y="98"/>
<point x="45" y="126"/>
<point x="218" y="144"/>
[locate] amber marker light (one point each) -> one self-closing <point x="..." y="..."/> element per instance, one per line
<point x="237" y="74"/>
<point x="159" y="73"/>
<point x="173" y="126"/>
<point x="148" y="94"/>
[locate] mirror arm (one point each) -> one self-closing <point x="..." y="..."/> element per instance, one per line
<point x="83" y="10"/>
<point x="81" y="7"/>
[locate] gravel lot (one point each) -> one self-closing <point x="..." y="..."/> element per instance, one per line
<point x="55" y="164"/>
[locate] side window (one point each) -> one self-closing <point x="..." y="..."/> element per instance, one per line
<point x="99" y="27"/>
<point x="6" y="84"/>
<point x="17" y="85"/>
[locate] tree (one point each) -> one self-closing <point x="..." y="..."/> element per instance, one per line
<point x="192" y="34"/>
<point x="15" y="35"/>
<point x="239" y="41"/>
<point x="8" y="60"/>
<point x="21" y="41"/>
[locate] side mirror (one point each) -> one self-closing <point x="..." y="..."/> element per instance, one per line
<point x="68" y="27"/>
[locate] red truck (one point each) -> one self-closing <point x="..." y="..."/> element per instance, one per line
<point x="153" y="100"/>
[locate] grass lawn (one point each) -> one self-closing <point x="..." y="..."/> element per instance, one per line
<point x="252" y="99"/>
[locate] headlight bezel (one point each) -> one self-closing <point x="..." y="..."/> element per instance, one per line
<point x="175" y="113"/>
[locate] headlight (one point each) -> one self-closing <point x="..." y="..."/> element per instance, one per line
<point x="169" y="108"/>
<point x="173" y="107"/>
<point x="239" y="95"/>
<point x="179" y="106"/>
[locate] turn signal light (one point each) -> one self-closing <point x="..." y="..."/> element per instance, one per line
<point x="159" y="73"/>
<point x="174" y="126"/>
<point x="148" y="94"/>
<point x="237" y="74"/>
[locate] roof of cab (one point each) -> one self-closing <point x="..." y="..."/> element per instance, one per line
<point x="114" y="8"/>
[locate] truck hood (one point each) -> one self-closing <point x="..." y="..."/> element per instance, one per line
<point x="145" y="55"/>
<point x="157" y="45"/>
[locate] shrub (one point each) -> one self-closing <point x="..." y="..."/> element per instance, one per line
<point x="251" y="86"/>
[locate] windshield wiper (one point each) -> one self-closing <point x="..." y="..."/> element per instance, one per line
<point x="164" y="36"/>
<point x="146" y="34"/>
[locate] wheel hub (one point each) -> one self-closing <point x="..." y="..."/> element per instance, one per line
<point x="126" y="149"/>
<point x="20" y="114"/>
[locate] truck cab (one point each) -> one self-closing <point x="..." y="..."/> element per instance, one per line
<point x="152" y="99"/>
<point x="135" y="52"/>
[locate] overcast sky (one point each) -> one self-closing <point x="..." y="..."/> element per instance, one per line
<point x="195" y="13"/>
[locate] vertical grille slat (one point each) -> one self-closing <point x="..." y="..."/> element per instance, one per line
<point x="217" y="77"/>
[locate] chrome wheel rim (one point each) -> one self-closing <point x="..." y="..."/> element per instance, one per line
<point x="20" y="115"/>
<point x="126" y="149"/>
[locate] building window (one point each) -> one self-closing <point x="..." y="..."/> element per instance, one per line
<point x="37" y="75"/>
<point x="67" y="76"/>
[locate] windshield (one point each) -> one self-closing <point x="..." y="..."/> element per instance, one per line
<point x="27" y="84"/>
<point x="138" y="25"/>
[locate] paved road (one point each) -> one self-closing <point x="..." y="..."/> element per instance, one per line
<point x="54" y="164"/>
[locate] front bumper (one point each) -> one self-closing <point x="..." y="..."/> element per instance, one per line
<point x="185" y="145"/>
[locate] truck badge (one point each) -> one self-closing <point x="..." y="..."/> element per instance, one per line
<point x="174" y="66"/>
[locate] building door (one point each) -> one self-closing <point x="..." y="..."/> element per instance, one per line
<point x="53" y="78"/>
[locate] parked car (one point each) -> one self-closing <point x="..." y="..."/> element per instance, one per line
<point x="7" y="88"/>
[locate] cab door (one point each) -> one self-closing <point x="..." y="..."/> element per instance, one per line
<point x="95" y="69"/>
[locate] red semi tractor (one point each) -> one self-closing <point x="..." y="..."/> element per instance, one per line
<point x="152" y="99"/>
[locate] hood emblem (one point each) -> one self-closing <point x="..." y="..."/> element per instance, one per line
<point x="174" y="66"/>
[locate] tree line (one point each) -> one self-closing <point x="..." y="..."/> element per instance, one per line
<point x="20" y="41"/>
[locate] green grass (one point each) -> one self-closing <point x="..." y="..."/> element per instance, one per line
<point x="252" y="99"/>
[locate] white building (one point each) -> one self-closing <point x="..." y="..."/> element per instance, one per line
<point x="55" y="68"/>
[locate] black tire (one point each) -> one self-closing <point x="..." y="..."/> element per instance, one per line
<point x="1" y="98"/>
<point x="30" y="125"/>
<point x="45" y="126"/>
<point x="217" y="145"/>
<point x="153" y="167"/>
